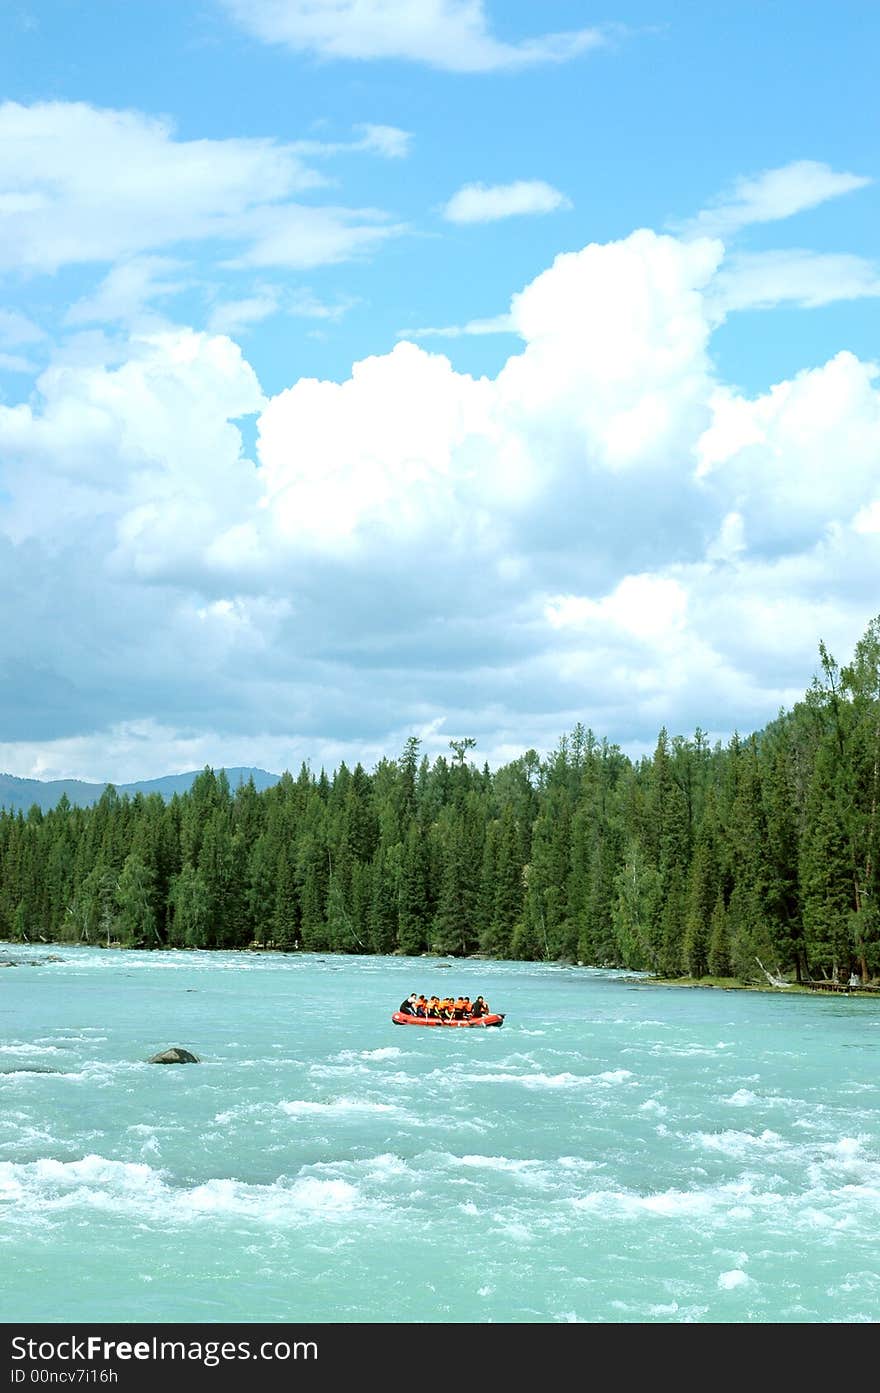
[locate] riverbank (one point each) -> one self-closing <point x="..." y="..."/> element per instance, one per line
<point x="733" y="984"/>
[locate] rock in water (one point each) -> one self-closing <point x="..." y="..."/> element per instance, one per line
<point x="175" y="1056"/>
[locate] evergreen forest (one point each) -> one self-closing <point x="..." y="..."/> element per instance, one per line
<point x="698" y="860"/>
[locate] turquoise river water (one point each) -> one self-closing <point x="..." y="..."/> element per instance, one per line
<point x="618" y="1151"/>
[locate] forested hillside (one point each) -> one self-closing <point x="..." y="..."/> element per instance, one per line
<point x="698" y="860"/>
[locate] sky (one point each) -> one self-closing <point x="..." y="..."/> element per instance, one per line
<point x="448" y="368"/>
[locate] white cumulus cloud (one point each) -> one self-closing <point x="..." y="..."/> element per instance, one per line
<point x="772" y="195"/>
<point x="492" y="202"/>
<point x="496" y="324"/>
<point x="236" y="316"/>
<point x="389" y="141"/>
<point x="760" y="280"/>
<point x="146" y="448"/>
<point x="302" y="236"/>
<point x="127" y="290"/>
<point x="800" y="458"/>
<point x="80" y="184"/>
<point x="605" y="530"/>
<point x="397" y="447"/>
<point x="645" y="606"/>
<point x="454" y="35"/>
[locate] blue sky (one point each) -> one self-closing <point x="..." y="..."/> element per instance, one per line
<point x="428" y="366"/>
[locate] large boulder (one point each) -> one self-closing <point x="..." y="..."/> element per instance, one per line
<point x="175" y="1056"/>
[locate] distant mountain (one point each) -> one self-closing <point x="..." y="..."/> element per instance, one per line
<point x="23" y="793"/>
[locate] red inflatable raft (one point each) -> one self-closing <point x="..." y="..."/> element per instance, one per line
<point x="400" y="1019"/>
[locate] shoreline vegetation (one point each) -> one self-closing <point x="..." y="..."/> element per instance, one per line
<point x="752" y="865"/>
<point x="733" y="984"/>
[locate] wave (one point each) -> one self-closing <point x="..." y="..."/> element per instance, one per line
<point x="384" y="1052"/>
<point x="740" y="1144"/>
<point x="82" y="1039"/>
<point x="742" y="1098"/>
<point x="95" y="1184"/>
<point x="729" y="1281"/>
<point x="338" y="1107"/>
<point x="838" y="1190"/>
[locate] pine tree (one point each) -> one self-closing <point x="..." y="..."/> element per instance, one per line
<point x="826" y="871"/>
<point x="414" y="908"/>
<point x="600" y="938"/>
<point x="635" y="911"/>
<point x="191" y="909"/>
<point x="286" y="916"/>
<point x="860" y="683"/>
<point x="750" y="933"/>
<point x="719" y="942"/>
<point x="782" y="897"/>
<point x="546" y="907"/>
<point x="134" y="895"/>
<point x="20" y="924"/>
<point x="508" y="887"/>
<point x="702" y="892"/>
<point x="386" y="893"/>
<point x="457" y="911"/>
